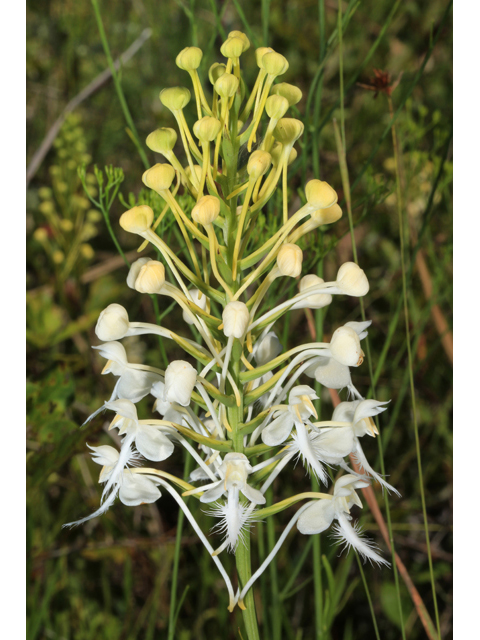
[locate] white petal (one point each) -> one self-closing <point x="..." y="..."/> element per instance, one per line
<point x="367" y="409"/>
<point x="214" y="493"/>
<point x="278" y="430"/>
<point x="153" y="444"/>
<point x="104" y="455"/>
<point x="254" y="495"/>
<point x="360" y="328"/>
<point x="136" y="384"/>
<point x="137" y="490"/>
<point x="316" y="518"/>
<point x="337" y="442"/>
<point x="331" y="373"/>
<point x="124" y="408"/>
<point x="113" y="351"/>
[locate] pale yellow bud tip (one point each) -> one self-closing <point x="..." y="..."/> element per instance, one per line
<point x="289" y="260"/>
<point x="159" y="177"/>
<point x="235" y="319"/>
<point x="137" y="220"/>
<point x="352" y="280"/>
<point x="151" y="277"/>
<point x="189" y="58"/>
<point x="320" y="194"/>
<point x="206" y="210"/>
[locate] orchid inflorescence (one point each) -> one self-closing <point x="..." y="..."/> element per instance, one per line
<point x="246" y="388"/>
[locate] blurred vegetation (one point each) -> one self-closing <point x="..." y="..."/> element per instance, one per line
<point x="111" y="578"/>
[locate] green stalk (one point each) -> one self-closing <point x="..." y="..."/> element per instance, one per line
<point x="118" y="86"/>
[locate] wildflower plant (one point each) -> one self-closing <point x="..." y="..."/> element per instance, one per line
<point x="244" y="412"/>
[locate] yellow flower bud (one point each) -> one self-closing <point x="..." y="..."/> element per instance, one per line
<point x="351" y="280"/>
<point x="242" y="36"/>
<point x="162" y="140"/>
<point x="274" y="63"/>
<point x="66" y="225"/>
<point x="288" y="131"/>
<point x="40" y="235"/>
<point x="260" y="52"/>
<point x="137" y="220"/>
<point x="289" y="260"/>
<point x="207" y="129"/>
<point x="189" y="58"/>
<point x="232" y="47"/>
<point x="216" y="71"/>
<point x="159" y="177"/>
<point x="58" y="256"/>
<point x="227" y="85"/>
<point x="258" y="163"/>
<point x="276" y="107"/>
<point x="87" y="251"/>
<point x="328" y="215"/>
<point x="276" y="153"/>
<point x="235" y="319"/>
<point x="289" y="91"/>
<point x="206" y="210"/>
<point x="151" y="277"/>
<point x="320" y="194"/>
<point x="175" y="98"/>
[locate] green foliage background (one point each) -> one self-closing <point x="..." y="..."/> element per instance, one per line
<point x="112" y="577"/>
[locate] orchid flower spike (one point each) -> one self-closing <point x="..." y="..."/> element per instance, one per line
<point x="319" y="516"/>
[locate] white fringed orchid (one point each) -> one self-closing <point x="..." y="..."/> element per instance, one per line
<point x="235" y="515"/>
<point x="132" y="489"/>
<point x="236" y="384"/>
<point x="319" y="516"/>
<point x="296" y="414"/>
<point x="350" y="422"/>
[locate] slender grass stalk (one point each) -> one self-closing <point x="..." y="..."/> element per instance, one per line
<point x="118" y="86"/>
<point x="369" y="597"/>
<point x="401" y="224"/>
<point x="265" y="21"/>
<point x="275" y="592"/>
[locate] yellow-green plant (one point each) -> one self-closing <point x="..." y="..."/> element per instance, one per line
<point x="243" y="415"/>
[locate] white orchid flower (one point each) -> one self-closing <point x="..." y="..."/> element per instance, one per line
<point x="134" y="380"/>
<point x="151" y="442"/>
<point x="330" y="372"/>
<point x="319" y="516"/>
<point x="133" y="489"/>
<point x="234" y="515"/>
<point x="352" y="421"/>
<point x="298" y="412"/>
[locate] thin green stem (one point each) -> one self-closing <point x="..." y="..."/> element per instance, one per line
<point x="369" y="597"/>
<point x="118" y="86"/>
